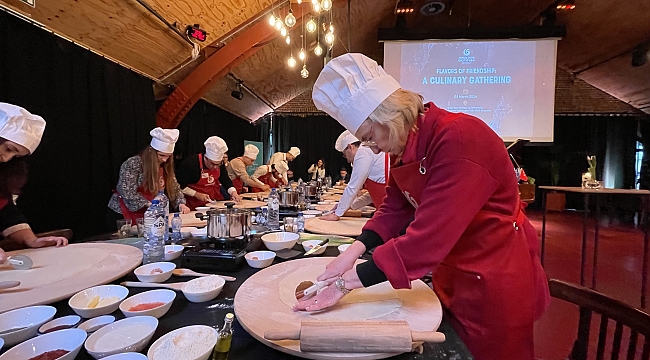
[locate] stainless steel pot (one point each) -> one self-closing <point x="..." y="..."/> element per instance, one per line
<point x="229" y="223"/>
<point x="311" y="190"/>
<point x="288" y="198"/>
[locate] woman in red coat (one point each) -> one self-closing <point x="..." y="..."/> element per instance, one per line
<point x="452" y="173"/>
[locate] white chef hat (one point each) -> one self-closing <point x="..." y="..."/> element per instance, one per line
<point x="21" y="126"/>
<point x="294" y="151"/>
<point x="215" y="148"/>
<point x="281" y="167"/>
<point x="344" y="140"/>
<point x="164" y="140"/>
<point x="350" y="88"/>
<point x="251" y="151"/>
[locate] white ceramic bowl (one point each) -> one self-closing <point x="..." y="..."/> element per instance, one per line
<point x="280" y="240"/>
<point x="205" y="348"/>
<point x="264" y="259"/>
<point x="213" y="284"/>
<point x="309" y="244"/>
<point x="343" y="247"/>
<point x="126" y="356"/>
<point x="136" y="333"/>
<point x="143" y="273"/>
<point x="164" y="296"/>
<point x="186" y="231"/>
<point x="81" y="299"/>
<point x="71" y="321"/>
<point x="94" y="324"/>
<point x="202" y="232"/>
<point x="68" y="339"/>
<point x="27" y="319"/>
<point x="203" y="209"/>
<point x="173" y="252"/>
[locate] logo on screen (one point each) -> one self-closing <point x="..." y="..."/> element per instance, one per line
<point x="466" y="59"/>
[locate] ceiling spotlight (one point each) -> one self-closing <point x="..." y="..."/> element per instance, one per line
<point x="311" y="25"/>
<point x="290" y="20"/>
<point x="272" y="20"/>
<point x="317" y="7"/>
<point x="288" y="40"/>
<point x="318" y="50"/>
<point x="283" y="31"/>
<point x="565" y="4"/>
<point x="292" y="61"/>
<point x="329" y="38"/>
<point x="237" y="93"/>
<point x="327" y="5"/>
<point x="640" y="56"/>
<point x="278" y="24"/>
<point x="302" y="55"/>
<point x="304" y="72"/>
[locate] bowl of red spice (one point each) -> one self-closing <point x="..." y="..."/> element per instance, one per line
<point x="154" y="303"/>
<point x="58" y="345"/>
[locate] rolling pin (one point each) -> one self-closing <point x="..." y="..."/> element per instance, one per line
<point x="352" y="213"/>
<point x="394" y="336"/>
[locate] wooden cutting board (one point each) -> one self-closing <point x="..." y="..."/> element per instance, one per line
<point x="334" y="197"/>
<point x="420" y="307"/>
<point x="344" y="227"/>
<point x="253" y="196"/>
<point x="59" y="273"/>
<point x="245" y="204"/>
<point x="342" y="187"/>
<point x="189" y="219"/>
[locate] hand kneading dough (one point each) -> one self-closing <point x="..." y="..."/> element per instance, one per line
<point x="360" y="304"/>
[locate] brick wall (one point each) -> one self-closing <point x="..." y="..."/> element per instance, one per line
<point x="572" y="96"/>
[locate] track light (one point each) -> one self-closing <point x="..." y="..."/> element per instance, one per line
<point x="237" y="94"/>
<point x="640" y="56"/>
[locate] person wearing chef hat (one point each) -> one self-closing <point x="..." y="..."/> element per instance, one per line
<point x="369" y="170"/>
<point x="288" y="157"/>
<point x="270" y="175"/>
<point x="469" y="229"/>
<point x="143" y="175"/>
<point x="202" y="176"/>
<point x="237" y="169"/>
<point x="20" y="134"/>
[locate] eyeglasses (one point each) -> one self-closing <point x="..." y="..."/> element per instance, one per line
<point x="369" y="142"/>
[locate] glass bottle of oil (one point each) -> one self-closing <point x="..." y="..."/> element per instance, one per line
<point x="225" y="339"/>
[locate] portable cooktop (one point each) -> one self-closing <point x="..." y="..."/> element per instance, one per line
<point x="214" y="255"/>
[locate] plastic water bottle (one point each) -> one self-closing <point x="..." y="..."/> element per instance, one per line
<point x="273" y="221"/>
<point x="177" y="223"/>
<point x="153" y="249"/>
<point x="301" y="222"/>
<point x="164" y="204"/>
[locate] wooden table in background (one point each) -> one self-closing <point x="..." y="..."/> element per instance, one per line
<point x="587" y="193"/>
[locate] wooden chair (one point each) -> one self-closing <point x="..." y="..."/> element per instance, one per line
<point x="623" y="315"/>
<point x="66" y="233"/>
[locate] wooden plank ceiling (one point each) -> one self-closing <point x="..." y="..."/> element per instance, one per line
<point x="600" y="37"/>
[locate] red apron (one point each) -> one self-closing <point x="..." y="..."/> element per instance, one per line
<point x="490" y="308"/>
<point x="376" y="190"/>
<point x="208" y="184"/>
<point x="268" y="180"/>
<point x="139" y="214"/>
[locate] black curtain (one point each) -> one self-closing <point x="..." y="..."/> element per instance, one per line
<point x="315" y="136"/>
<point x="98" y="114"/>
<point x="205" y="120"/>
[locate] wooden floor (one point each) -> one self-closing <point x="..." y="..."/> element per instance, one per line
<point x="620" y="261"/>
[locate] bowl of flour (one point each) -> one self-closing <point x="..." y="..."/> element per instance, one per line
<point x="194" y="342"/>
<point x="203" y="289"/>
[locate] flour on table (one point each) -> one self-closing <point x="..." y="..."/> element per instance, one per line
<point x="361" y="304"/>
<point x="186" y="344"/>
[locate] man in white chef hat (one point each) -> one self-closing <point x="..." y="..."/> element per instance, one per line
<point x="237" y="169"/>
<point x="20" y="131"/>
<point x="288" y="157"/>
<point x="369" y="170"/>
<point x="202" y="176"/>
<point x="271" y="175"/>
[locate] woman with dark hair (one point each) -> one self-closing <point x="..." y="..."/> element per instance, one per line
<point x="16" y="233"/>
<point x="143" y="175"/>
<point x="317" y="170"/>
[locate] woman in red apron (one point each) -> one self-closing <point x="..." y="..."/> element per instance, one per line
<point x="270" y="175"/>
<point x="468" y="230"/>
<point x="366" y="167"/>
<point x="202" y="176"/>
<point x="143" y="175"/>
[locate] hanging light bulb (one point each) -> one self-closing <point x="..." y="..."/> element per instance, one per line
<point x="314" y="2"/>
<point x="299" y="1"/>
<point x="318" y="50"/>
<point x="278" y="24"/>
<point x="272" y="20"/>
<point x="290" y="20"/>
<point x="311" y="25"/>
<point x="329" y="38"/>
<point x="317" y="7"/>
<point x="304" y="72"/>
<point x="331" y="28"/>
<point x="302" y="55"/>
<point x="288" y="40"/>
<point x="291" y="62"/>
<point x="283" y="31"/>
<point x="327" y="5"/>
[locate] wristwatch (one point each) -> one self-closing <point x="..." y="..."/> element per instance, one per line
<point x="340" y="284"/>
